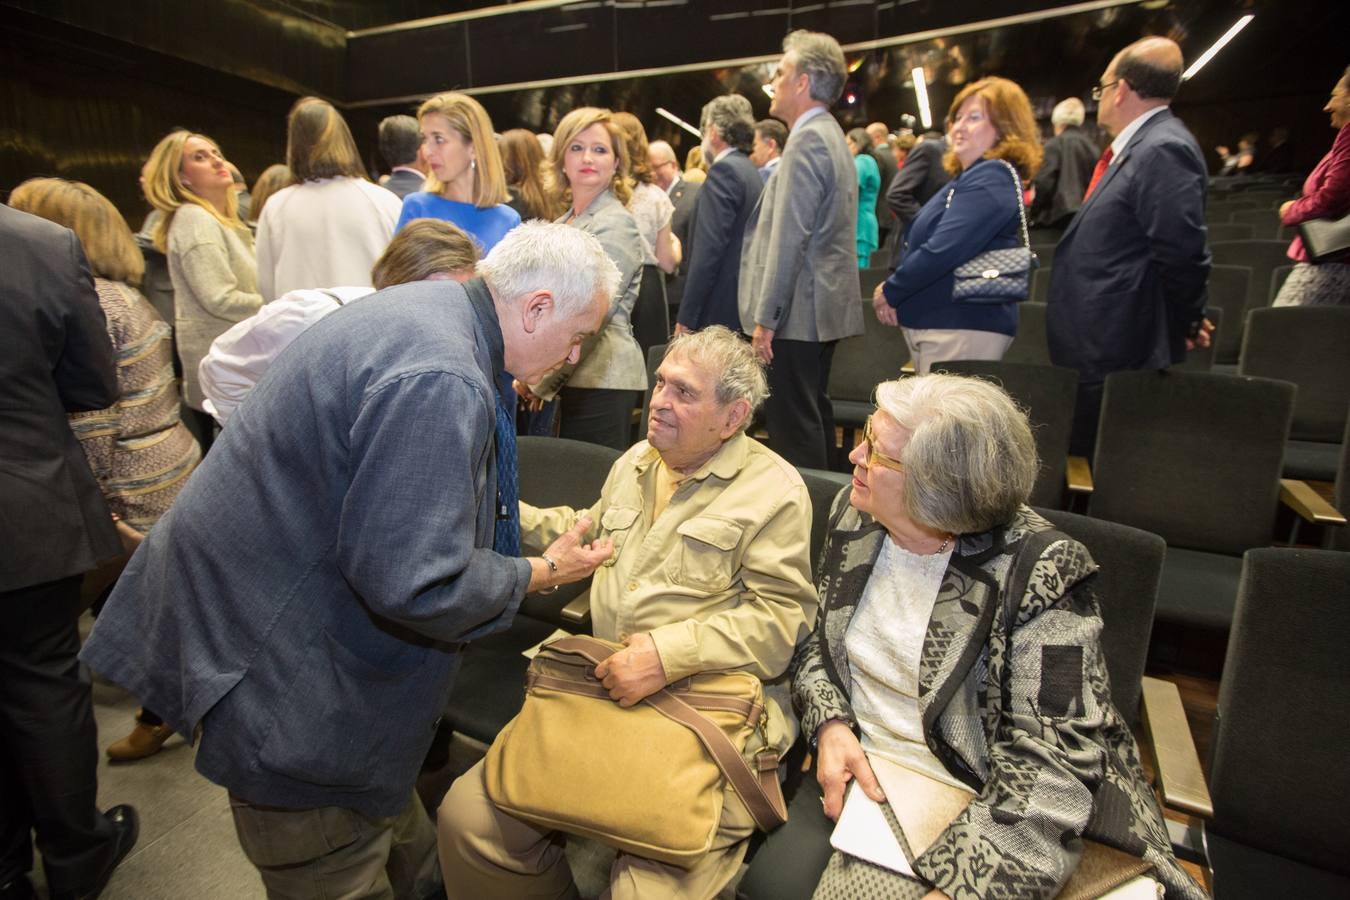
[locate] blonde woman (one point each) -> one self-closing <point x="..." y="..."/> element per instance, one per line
<point x="209" y="250"/>
<point x="332" y="224"/>
<point x="138" y="449"/>
<point x="466" y="185"/>
<point x="590" y="165"/>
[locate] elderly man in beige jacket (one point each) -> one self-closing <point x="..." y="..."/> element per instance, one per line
<point x="711" y="571"/>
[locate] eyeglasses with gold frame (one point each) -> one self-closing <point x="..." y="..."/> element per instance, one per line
<point x="876" y="457"/>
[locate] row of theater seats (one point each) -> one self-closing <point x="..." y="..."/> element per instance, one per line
<point x="1276" y="817"/>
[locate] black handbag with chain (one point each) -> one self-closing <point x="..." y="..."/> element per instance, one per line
<point x="998" y="276"/>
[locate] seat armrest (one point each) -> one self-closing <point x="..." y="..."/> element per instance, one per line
<point x="1302" y="499"/>
<point x="578" y="609"/>
<point x="1078" y="475"/>
<point x="1180" y="777"/>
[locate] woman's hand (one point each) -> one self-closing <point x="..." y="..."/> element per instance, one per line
<point x="1284" y="208"/>
<point x="885" y="312"/>
<point x="840" y="759"/>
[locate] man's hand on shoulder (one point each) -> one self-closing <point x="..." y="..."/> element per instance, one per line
<point x="634" y="672"/>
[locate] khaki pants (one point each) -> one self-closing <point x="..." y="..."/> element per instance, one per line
<point x="338" y="854"/>
<point x="486" y="853"/>
<point x="930" y="346"/>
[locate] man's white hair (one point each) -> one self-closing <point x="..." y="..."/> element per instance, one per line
<point x="1068" y="112"/>
<point x="663" y="150"/>
<point x="538" y="256"/>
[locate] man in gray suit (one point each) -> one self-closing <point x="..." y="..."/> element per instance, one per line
<point x="798" y="289"/>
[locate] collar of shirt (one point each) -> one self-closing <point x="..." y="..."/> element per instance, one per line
<point x="1129" y="131"/>
<point x="771" y="164"/>
<point x="406" y="169"/>
<point x="806" y="117"/>
<point x="723" y="155"/>
<point x="724" y="464"/>
<point x="674" y="184"/>
<point x="480" y="298"/>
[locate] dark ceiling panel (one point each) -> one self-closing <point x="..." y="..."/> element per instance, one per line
<point x="259" y="41"/>
<point x="390" y="65"/>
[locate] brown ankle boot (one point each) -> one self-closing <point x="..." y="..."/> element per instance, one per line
<point x="144" y="740"/>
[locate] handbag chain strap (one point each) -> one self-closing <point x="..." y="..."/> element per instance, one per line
<point x="1021" y="206"/>
<point x="760" y="790"/>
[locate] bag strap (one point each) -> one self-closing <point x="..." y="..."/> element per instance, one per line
<point x="1021" y="204"/>
<point x="760" y="790"/>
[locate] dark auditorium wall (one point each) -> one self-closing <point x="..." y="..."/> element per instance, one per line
<point x="91" y="108"/>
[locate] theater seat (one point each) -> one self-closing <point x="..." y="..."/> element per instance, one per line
<point x="1030" y="345"/>
<point x="1195" y="458"/>
<point x="1309" y="346"/>
<point x="1047" y="394"/>
<point x="860" y="364"/>
<point x="1278" y="777"/>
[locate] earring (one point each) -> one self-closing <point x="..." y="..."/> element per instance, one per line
<point x="473" y="164"/>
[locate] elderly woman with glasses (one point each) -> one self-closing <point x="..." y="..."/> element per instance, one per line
<point x="956" y="667"/>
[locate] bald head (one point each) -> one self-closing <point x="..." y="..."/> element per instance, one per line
<point x="878" y="132"/>
<point x="664" y="166"/>
<point x="1143" y="76"/>
<point x="1152" y="67"/>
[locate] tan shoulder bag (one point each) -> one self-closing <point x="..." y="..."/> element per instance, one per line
<point x="647" y="779"/>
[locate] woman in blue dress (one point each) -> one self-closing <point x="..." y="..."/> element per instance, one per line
<point x="466" y="185"/>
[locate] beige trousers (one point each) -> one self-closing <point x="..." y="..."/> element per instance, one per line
<point x="486" y="853"/>
<point x="929" y="346"/>
<point x="338" y="854"/>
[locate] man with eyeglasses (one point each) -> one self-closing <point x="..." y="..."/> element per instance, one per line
<point x="1127" y="290"/>
<point x="683" y="193"/>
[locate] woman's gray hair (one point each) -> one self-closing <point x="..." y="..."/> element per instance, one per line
<point x="971" y="459"/>
<point x="565" y="261"/>
<point x="737" y="368"/>
<point x="822" y="59"/>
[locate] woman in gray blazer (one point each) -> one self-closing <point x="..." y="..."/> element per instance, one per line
<point x="597" y="395"/>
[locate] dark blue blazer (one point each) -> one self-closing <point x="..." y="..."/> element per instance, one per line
<point x="1128" y="282"/>
<point x="982" y="216"/>
<point x="718" y="228"/>
<point x="55" y="358"/>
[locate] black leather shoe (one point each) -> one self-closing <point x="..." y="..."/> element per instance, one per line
<point x="18" y="889"/>
<point x="128" y="826"/>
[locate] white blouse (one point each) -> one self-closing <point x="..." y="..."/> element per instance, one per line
<point x="885" y="643"/>
<point x="651" y="208"/>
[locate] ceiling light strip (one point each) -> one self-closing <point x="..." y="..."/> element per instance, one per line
<point x="1218" y="45"/>
<point x="921" y="93"/>
<point x="665" y="113"/>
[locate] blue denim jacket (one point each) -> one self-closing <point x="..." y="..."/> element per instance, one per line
<point x="307" y="597"/>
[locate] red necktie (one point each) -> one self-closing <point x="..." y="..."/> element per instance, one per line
<point x="1098" y="172"/>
